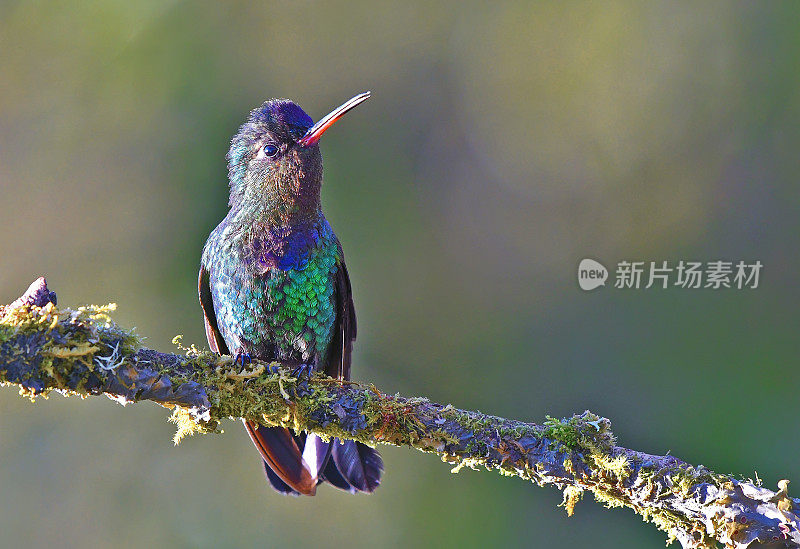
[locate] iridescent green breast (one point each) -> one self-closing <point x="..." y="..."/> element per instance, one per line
<point x="275" y="306"/>
<point x="300" y="305"/>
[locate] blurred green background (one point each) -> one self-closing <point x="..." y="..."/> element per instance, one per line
<point x="503" y="143"/>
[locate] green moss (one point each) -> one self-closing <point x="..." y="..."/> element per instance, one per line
<point x="69" y="342"/>
<point x="86" y="343"/>
<point x="572" y="495"/>
<point x="586" y="431"/>
<point x="186" y="425"/>
<point x="562" y="431"/>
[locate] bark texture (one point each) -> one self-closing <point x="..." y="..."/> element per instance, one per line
<point x="82" y="351"/>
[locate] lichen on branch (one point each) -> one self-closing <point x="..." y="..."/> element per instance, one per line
<point x="82" y="351"/>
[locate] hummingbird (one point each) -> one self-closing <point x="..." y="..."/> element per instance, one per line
<point x="273" y="285"/>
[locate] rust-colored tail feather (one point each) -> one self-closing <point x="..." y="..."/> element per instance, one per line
<point x="281" y="452"/>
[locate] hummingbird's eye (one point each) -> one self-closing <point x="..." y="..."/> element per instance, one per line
<point x="267" y="151"/>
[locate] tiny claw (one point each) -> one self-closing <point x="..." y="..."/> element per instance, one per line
<point x="303" y="372"/>
<point x="242" y="357"/>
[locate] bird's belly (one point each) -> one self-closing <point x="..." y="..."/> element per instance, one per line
<point x="300" y="310"/>
<point x="282" y="314"/>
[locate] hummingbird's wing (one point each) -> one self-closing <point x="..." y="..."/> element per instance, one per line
<point x="355" y="467"/>
<point x="213" y="334"/>
<point x="344" y="328"/>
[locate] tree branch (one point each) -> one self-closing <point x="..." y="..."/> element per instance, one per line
<point x="82" y="351"/>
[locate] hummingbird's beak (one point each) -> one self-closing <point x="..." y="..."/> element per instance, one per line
<point x="314" y="133"/>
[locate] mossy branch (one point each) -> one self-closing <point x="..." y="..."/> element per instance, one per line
<point x="82" y="351"/>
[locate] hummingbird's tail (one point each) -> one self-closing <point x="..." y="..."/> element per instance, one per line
<point x="359" y="466"/>
<point x="295" y="460"/>
<point x="295" y="464"/>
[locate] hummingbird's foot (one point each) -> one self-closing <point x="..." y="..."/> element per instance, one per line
<point x="303" y="372"/>
<point x="242" y="358"/>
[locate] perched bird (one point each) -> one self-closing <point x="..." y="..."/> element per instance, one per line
<point x="273" y="285"/>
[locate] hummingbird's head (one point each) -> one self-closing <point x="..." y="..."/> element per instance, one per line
<point x="274" y="163"/>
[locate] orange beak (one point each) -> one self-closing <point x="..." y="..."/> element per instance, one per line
<point x="314" y="133"/>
